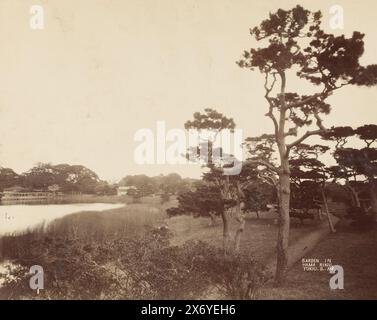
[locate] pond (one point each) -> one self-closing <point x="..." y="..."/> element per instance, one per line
<point x="20" y="217"/>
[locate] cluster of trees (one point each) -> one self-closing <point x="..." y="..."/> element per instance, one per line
<point x="61" y="177"/>
<point x="164" y="185"/>
<point x="281" y="165"/>
<point x="294" y="44"/>
<point x="356" y="168"/>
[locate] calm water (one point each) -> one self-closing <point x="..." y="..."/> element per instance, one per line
<point x="15" y="218"/>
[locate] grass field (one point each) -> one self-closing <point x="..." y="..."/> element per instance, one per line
<point x="258" y="237"/>
<point x="354" y="251"/>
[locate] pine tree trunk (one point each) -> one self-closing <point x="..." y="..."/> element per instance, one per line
<point x="213" y="219"/>
<point x="283" y="233"/>
<point x="226" y="231"/>
<point x="284" y="191"/>
<point x="353" y="200"/>
<point x="241" y="226"/>
<point x="355" y="197"/>
<point x="324" y="199"/>
<point x="373" y="196"/>
<point x="239" y="234"/>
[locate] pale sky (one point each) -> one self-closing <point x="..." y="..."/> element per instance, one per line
<point x="78" y="90"/>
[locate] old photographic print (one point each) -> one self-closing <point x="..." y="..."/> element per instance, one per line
<point x="188" y="150"/>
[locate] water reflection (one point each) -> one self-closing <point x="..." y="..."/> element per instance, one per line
<point x="20" y="217"/>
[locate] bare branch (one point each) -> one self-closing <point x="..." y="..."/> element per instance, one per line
<point x="319" y="121"/>
<point x="305" y="136"/>
<point x="321" y="130"/>
<point x="270" y="113"/>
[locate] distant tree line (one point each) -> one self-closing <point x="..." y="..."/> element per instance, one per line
<point x="59" y="178"/>
<point x="79" y="179"/>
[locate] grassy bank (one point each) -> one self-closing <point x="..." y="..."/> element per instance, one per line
<point x="93" y="198"/>
<point x="120" y="254"/>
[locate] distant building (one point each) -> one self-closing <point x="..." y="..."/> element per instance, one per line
<point x="23" y="194"/>
<point x="121" y="191"/>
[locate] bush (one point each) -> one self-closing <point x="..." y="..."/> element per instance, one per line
<point x="70" y="272"/>
<point x="234" y="275"/>
<point x="174" y="211"/>
<point x="165" y="197"/>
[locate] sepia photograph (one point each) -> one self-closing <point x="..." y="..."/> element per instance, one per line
<point x="188" y="150"/>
